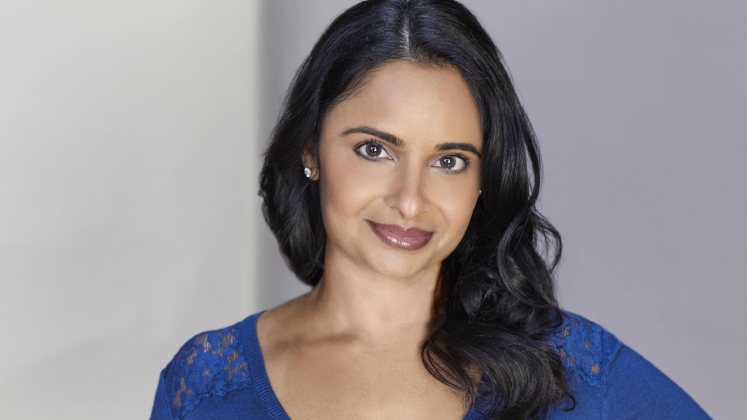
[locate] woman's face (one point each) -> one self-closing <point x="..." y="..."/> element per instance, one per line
<point x="399" y="169"/>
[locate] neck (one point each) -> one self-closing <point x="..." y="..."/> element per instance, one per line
<point x="349" y="298"/>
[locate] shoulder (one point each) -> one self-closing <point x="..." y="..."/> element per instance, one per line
<point x="211" y="363"/>
<point x="606" y="373"/>
<point x="585" y="348"/>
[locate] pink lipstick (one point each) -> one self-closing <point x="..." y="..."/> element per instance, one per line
<point x="399" y="237"/>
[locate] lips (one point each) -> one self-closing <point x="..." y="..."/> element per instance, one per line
<point x="403" y="238"/>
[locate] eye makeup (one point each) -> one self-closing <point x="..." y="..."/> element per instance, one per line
<point x="374" y="146"/>
<point x="466" y="163"/>
<point x="369" y="145"/>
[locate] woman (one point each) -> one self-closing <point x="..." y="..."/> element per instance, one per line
<point x="401" y="183"/>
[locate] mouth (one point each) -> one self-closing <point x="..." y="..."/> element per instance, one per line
<point x="395" y="236"/>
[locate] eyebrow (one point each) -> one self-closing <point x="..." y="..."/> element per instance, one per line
<point x="374" y="132"/>
<point x="467" y="147"/>
<point x="397" y="142"/>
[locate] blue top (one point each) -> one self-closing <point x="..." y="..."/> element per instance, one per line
<point x="220" y="375"/>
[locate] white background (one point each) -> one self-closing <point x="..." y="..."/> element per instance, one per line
<point x="130" y="142"/>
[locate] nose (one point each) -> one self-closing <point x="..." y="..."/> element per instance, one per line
<point x="407" y="195"/>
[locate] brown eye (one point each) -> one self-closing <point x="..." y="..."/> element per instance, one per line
<point x="372" y="151"/>
<point x="452" y="163"/>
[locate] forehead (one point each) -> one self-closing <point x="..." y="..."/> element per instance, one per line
<point x="416" y="103"/>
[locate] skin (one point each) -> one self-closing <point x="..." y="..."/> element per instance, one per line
<point x="351" y="347"/>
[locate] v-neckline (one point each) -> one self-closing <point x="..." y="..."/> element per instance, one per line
<point x="261" y="382"/>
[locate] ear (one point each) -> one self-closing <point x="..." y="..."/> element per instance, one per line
<point x="309" y="159"/>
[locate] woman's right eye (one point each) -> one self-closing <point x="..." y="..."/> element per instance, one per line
<point x="373" y="151"/>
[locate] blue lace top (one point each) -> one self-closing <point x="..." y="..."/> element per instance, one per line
<point x="220" y="375"/>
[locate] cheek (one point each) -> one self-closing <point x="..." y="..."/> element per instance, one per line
<point x="347" y="185"/>
<point x="456" y="201"/>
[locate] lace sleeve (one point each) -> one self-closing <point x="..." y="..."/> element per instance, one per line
<point x="579" y="343"/>
<point x="211" y="363"/>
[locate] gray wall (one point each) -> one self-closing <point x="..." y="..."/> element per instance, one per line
<point x="130" y="134"/>
<point x="640" y="111"/>
<point x="128" y="160"/>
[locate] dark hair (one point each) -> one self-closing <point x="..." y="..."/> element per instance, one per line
<point x="498" y="309"/>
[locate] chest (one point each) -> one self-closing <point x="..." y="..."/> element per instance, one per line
<point x="342" y="384"/>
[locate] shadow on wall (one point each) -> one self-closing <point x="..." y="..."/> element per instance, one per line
<point x="289" y="31"/>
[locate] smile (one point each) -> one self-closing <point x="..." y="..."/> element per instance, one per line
<point x="398" y="237"/>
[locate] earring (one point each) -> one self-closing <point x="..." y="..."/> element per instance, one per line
<point x="479" y="192"/>
<point x="307" y="172"/>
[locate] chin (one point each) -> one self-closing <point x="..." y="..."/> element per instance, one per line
<point x="399" y="266"/>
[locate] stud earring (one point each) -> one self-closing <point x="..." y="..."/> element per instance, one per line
<point x="479" y="192"/>
<point x="307" y="172"/>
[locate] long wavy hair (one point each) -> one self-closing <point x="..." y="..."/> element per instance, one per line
<point x="490" y="337"/>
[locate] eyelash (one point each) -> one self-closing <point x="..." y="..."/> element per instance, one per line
<point x="463" y="157"/>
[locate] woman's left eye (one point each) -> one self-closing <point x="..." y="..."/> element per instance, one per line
<point x="451" y="163"/>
